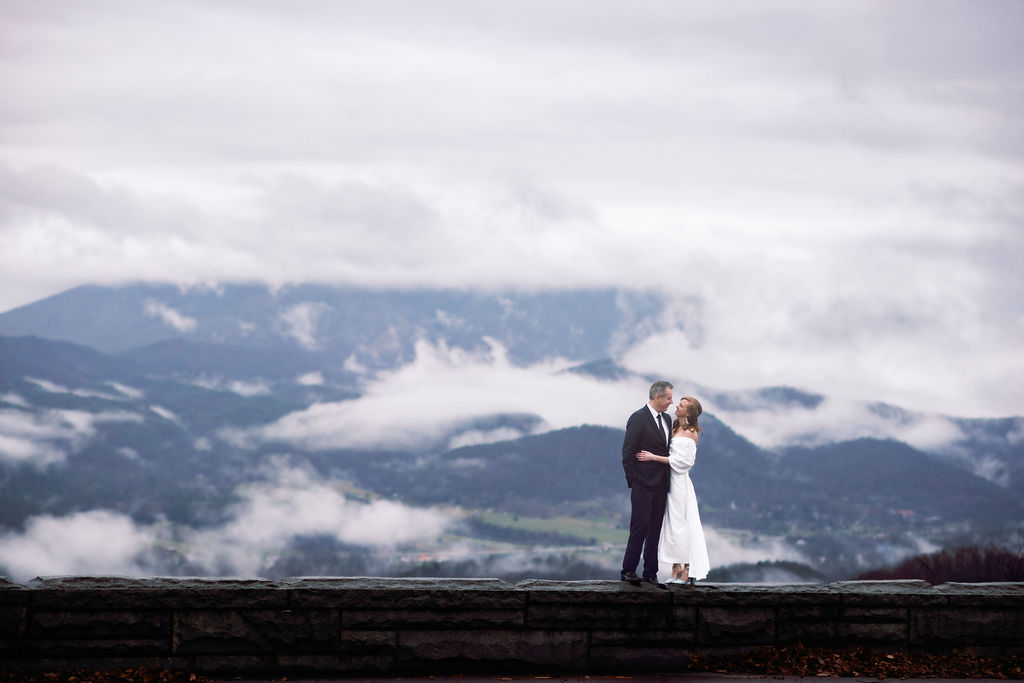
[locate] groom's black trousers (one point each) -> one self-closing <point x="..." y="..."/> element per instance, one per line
<point x="648" y="512"/>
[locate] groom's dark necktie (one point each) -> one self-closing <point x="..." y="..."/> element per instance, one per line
<point x="661" y="426"/>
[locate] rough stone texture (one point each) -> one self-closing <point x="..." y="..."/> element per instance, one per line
<point x="597" y="605"/>
<point x="97" y="624"/>
<point x="736" y="624"/>
<point x="322" y="626"/>
<point x="499" y="649"/>
<point x="967" y="626"/>
<point x="12" y="621"/>
<point x="971" y="594"/>
<point x="823" y="624"/>
<point x="238" y="631"/>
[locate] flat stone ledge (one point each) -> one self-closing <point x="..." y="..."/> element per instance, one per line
<point x="484" y="595"/>
<point x="118" y="592"/>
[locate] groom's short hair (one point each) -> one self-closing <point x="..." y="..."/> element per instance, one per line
<point x="660" y="388"/>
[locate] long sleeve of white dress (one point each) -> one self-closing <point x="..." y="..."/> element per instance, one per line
<point x="682" y="537"/>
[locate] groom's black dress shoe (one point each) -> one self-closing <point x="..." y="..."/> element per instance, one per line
<point x="654" y="582"/>
<point x="630" y="577"/>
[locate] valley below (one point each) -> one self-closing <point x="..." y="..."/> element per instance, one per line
<point x="432" y="435"/>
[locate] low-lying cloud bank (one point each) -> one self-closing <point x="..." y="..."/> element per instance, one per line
<point x="833" y="420"/>
<point x="435" y="401"/>
<point x="444" y="389"/>
<point x="48" y="437"/>
<point x="289" y="502"/>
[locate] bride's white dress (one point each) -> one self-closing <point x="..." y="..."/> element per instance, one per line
<point x="682" y="538"/>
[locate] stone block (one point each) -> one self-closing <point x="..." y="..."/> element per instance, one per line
<point x="660" y="660"/>
<point x="900" y="593"/>
<point x="723" y="594"/>
<point x="836" y="623"/>
<point x="401" y="594"/>
<point x="118" y="646"/>
<point x="100" y="663"/>
<point x="876" y="613"/>
<point x="312" y="664"/>
<point x="573" y="616"/>
<point x="612" y="605"/>
<point x="12" y="593"/>
<point x="684" y="618"/>
<point x="371" y="664"/>
<point x="641" y="638"/>
<point x="99" y="624"/>
<point x="12" y="621"/>
<point x="436" y="618"/>
<point x="807" y="623"/>
<point x="872" y="632"/>
<point x="806" y="632"/>
<point x="736" y="625"/>
<point x="830" y="612"/>
<point x="982" y="594"/>
<point x="240" y="631"/>
<point x="962" y="626"/>
<point x="237" y="665"/>
<point x="333" y="666"/>
<point x="841" y="633"/>
<point x="368" y="642"/>
<point x="494" y="649"/>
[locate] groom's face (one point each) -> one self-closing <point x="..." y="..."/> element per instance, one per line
<point x="661" y="403"/>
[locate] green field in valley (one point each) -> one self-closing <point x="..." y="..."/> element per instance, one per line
<point x="604" y="530"/>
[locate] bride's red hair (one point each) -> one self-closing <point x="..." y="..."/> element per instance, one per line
<point x="693" y="411"/>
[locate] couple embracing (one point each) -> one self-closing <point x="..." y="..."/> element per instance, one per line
<point x="657" y="455"/>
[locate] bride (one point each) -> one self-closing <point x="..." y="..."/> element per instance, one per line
<point x="682" y="538"/>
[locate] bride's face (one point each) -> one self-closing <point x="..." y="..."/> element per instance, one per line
<point x="681" y="409"/>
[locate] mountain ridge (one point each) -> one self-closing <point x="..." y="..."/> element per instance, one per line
<point x="174" y="429"/>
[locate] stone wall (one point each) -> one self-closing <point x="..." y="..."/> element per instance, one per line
<point x="340" y="626"/>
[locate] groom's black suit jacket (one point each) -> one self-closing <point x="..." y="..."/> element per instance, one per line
<point x="643" y="434"/>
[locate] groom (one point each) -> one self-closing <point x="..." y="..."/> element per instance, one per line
<point x="648" y="429"/>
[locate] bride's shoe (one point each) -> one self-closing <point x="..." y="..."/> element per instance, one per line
<point x="684" y="571"/>
<point x="677" y="574"/>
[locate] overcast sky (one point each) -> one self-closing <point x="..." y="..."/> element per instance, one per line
<point x="833" y="190"/>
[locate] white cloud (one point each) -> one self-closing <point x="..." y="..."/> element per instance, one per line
<point x="129" y="392"/>
<point x="300" y="322"/>
<point x="475" y="437"/>
<point x="129" y="453"/>
<point x="729" y="547"/>
<point x="843" y="199"/>
<point x="444" y="388"/>
<point x="1016" y="435"/>
<point x="311" y="379"/>
<point x="90" y="543"/>
<point x="991" y="468"/>
<point x="290" y="502"/>
<point x="257" y="387"/>
<point x="14" y="400"/>
<point x="772" y="425"/>
<point x="55" y="388"/>
<point x="168" y="315"/>
<point x="48" y="437"/>
<point x="166" y="414"/>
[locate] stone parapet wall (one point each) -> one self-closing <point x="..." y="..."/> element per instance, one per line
<point x="343" y="626"/>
